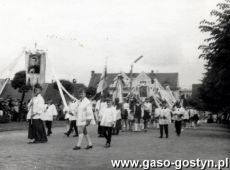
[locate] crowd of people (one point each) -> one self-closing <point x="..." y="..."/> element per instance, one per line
<point x="111" y="116"/>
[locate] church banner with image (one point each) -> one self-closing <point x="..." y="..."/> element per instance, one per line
<point x="35" y="67"/>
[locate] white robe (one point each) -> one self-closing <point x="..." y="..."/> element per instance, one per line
<point x="109" y="116"/>
<point x="178" y="113"/>
<point x="73" y="107"/>
<point x="165" y="116"/>
<point x="100" y="106"/>
<point x="85" y="113"/>
<point x="49" y="113"/>
<point x="36" y="106"/>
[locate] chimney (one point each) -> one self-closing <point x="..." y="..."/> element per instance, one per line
<point x="92" y="73"/>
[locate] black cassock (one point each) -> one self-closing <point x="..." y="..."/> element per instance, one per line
<point x="37" y="131"/>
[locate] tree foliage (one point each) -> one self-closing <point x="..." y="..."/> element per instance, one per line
<point x="66" y="84"/>
<point x="215" y="89"/>
<point x="91" y="92"/>
<point x="19" y="82"/>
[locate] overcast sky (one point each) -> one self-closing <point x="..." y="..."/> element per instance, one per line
<point x="80" y="34"/>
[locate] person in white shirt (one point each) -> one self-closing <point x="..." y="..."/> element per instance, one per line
<point x="178" y="113"/>
<point x="100" y="106"/>
<point x="147" y="113"/>
<point x="72" y="116"/>
<point x="156" y="117"/>
<point x="85" y="117"/>
<point x="185" y="118"/>
<point x="164" y="119"/>
<point x="36" y="107"/>
<point x="50" y="112"/>
<point x="108" y="121"/>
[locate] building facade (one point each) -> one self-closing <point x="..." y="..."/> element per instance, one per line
<point x="141" y="82"/>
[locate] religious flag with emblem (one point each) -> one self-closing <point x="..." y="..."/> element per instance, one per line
<point x="102" y="85"/>
<point x="35" y="67"/>
<point x="119" y="89"/>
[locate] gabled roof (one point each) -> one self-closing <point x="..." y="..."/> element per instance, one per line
<point x="170" y="79"/>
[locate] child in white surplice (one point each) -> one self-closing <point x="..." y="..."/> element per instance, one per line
<point x="48" y="115"/>
<point x="108" y="120"/>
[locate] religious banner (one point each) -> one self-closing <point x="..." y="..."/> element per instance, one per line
<point x="35" y="67"/>
<point x="143" y="91"/>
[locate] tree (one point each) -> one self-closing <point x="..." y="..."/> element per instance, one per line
<point x="66" y="84"/>
<point x="91" y="92"/>
<point x="215" y="89"/>
<point x="19" y="82"/>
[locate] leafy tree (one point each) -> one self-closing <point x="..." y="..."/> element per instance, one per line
<point x="91" y="92"/>
<point x="215" y="89"/>
<point x="66" y="84"/>
<point x="19" y="82"/>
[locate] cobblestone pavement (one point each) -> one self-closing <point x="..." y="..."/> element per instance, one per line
<point x="205" y="142"/>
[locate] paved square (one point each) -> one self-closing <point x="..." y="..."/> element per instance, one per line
<point x="205" y="142"/>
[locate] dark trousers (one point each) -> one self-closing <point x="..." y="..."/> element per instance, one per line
<point x="107" y="132"/>
<point x="165" y="127"/>
<point x="99" y="129"/>
<point x="178" y="127"/>
<point x="48" y="126"/>
<point x="72" y="125"/>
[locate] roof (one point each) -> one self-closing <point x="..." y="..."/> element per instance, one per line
<point x="170" y="79"/>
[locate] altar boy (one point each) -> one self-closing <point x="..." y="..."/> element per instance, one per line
<point x="108" y="120"/>
<point x="50" y="112"/>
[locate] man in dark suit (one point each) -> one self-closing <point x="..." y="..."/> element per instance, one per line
<point x="34" y="67"/>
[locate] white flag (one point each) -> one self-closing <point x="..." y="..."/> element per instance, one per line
<point x="103" y="83"/>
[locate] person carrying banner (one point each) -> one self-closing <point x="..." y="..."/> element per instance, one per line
<point x="85" y="117"/>
<point x="36" y="106"/>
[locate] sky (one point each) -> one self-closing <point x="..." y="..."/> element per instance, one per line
<point x="84" y="35"/>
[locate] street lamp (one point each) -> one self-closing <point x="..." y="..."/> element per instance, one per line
<point x="131" y="73"/>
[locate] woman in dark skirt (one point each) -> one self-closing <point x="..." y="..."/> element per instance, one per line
<point x="36" y="130"/>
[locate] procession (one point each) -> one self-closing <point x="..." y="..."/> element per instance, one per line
<point x="114" y="85"/>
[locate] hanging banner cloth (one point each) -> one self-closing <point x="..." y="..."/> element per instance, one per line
<point x="8" y="71"/>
